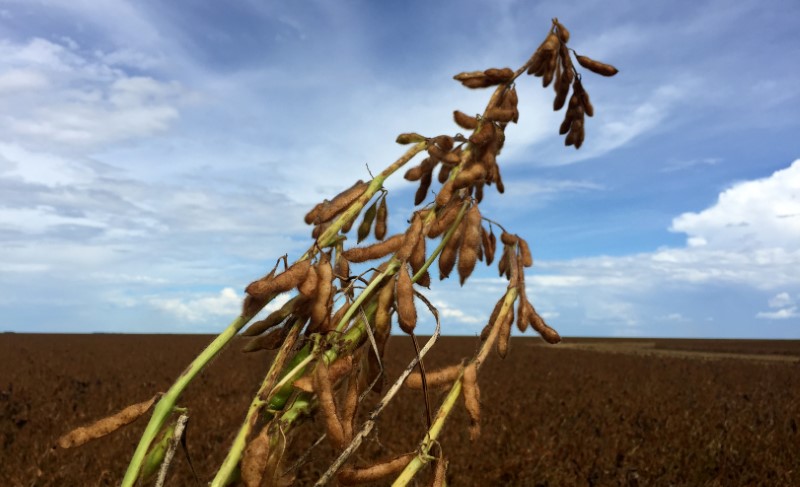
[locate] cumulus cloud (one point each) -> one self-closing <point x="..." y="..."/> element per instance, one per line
<point x="89" y="100"/>
<point x="226" y="303"/>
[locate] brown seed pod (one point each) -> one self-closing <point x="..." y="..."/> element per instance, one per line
<point x="436" y="152"/>
<point x="319" y="308"/>
<point x="254" y="460"/>
<point x="472" y="398"/>
<point x="465" y="121"/>
<point x="350" y="406"/>
<point x="374" y="251"/>
<point x="366" y="223"/>
<point x="588" y="108"/>
<point x="424" y="186"/>
<point x="414" y="174"/>
<point x="273" y="319"/>
<point x="503" y="115"/>
<point x="488" y="252"/>
<point x="447" y="259"/>
<point x="341" y="267"/>
<point x="281" y="283"/>
<point x="502" y="264"/>
<point x="410" y="138"/>
<point x="443" y="220"/>
<point x="354" y="476"/>
<point x="563" y="33"/>
<point x="323" y="385"/>
<point x="417" y="258"/>
<point x="268" y="341"/>
<point x="505" y="333"/>
<point x="406" y="311"/>
<point x="336" y="371"/>
<point x="107" y="425"/>
<point x="309" y="284"/>
<point x="537" y="322"/>
<point x="436" y="378"/>
<point x="384" y="308"/>
<point x="412" y="236"/>
<point x="596" y="66"/>
<point x="468" y="251"/>
<point x="523" y="318"/>
<point x="337" y="317"/>
<point x="470" y="175"/>
<point x="550" y="71"/>
<point x="342" y="201"/>
<point x="444" y="141"/>
<point x="439" y="472"/>
<point x="483" y="135"/>
<point x="381" y="219"/>
<point x="445" y="193"/>
<point x="444" y="172"/>
<point x="525" y="251"/>
<point x="499" y="75"/>
<point x="508" y="239"/>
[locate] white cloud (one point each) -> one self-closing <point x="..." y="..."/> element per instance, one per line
<point x="226" y="303"/>
<point x="753" y="215"/>
<point x="780" y="300"/>
<point x="88" y="101"/>
<point x="678" y="165"/>
<point x="781" y="314"/>
<point x="446" y="311"/>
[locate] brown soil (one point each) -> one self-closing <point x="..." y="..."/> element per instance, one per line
<point x="592" y="412"/>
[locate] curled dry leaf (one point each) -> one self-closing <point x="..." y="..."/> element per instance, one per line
<point x="107" y="425"/>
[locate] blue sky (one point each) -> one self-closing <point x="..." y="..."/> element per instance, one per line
<point x="155" y="157"/>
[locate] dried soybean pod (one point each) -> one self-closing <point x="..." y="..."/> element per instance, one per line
<point x="484" y="134"/>
<point x="503" y="115"/>
<point x="414" y="174"/>
<point x="319" y="308"/>
<point x="269" y="341"/>
<point x="374" y="251"/>
<point x="563" y="33"/>
<point x="406" y="311"/>
<point x="499" y="75"/>
<point x="424" y="186"/>
<point x="443" y="220"/>
<point x="354" y="476"/>
<point x="486" y="245"/>
<point x="381" y="219"/>
<point x="523" y="319"/>
<point x="508" y="239"/>
<point x="445" y="193"/>
<point x="447" y="259"/>
<point x="472" y="398"/>
<point x="465" y="121"/>
<point x="324" y="388"/>
<point x="109" y="424"/>
<point x="505" y="333"/>
<point x="444" y="173"/>
<point x="384" y="309"/>
<point x="412" y="236"/>
<point x="349" y="224"/>
<point x="537" y="322"/>
<point x="439" y="472"/>
<point x="409" y="138"/>
<point x="417" y="258"/>
<point x="469" y="176"/>
<point x="281" y="283"/>
<point x="492" y="246"/>
<point x="254" y="460"/>
<point x="587" y="104"/>
<point x="341" y="201"/>
<point x="350" y="406"/>
<point x="445" y="142"/>
<point x="596" y="66"/>
<point x="527" y="258"/>
<point x="309" y="284"/>
<point x="436" y="378"/>
<point x="468" y="252"/>
<point x="366" y="223"/>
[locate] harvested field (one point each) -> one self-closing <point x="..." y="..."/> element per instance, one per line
<point x="586" y="412"/>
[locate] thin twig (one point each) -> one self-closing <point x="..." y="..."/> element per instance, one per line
<point x="180" y="425"/>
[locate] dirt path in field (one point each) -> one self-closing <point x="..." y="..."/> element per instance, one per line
<point x="649" y="348"/>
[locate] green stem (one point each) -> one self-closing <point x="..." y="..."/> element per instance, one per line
<point x="167" y="402"/>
